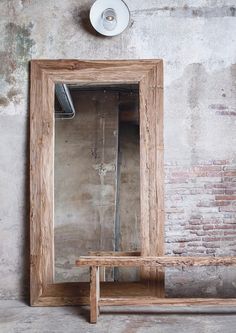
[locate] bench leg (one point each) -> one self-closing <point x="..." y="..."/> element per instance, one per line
<point x="94" y="293"/>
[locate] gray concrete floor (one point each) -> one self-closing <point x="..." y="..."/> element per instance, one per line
<point x="17" y="317"/>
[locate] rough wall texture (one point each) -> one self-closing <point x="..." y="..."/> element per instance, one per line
<point x="96" y="182"/>
<point x="85" y="182"/>
<point x="197" y="41"/>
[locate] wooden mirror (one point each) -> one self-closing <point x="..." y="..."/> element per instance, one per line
<point x="63" y="177"/>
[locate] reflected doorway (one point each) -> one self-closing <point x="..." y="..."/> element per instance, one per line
<point x="96" y="177"/>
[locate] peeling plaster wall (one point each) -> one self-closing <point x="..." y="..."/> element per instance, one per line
<point x="197" y="41"/>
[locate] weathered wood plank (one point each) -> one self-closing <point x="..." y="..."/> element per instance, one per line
<point x="152" y="174"/>
<point x="94" y="294"/>
<point x="156" y="261"/>
<point x="140" y="301"/>
<point x="113" y="254"/>
<point x="35" y="183"/>
<point x="77" y="293"/>
<point x="41" y="181"/>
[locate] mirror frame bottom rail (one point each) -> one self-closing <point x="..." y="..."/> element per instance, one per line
<point x="77" y="293"/>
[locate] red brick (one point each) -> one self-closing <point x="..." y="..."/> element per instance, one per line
<point x="208" y="227"/>
<point x="211" y="239"/>
<point x="208" y="173"/>
<point x="230" y="173"/>
<point x="226" y="197"/>
<point x="220" y="185"/>
<point x="212" y="221"/>
<point x="218" y="107"/>
<point x="207" y="168"/>
<point x="226" y="113"/>
<point x="228" y="239"/>
<point x="226" y="233"/>
<point x="196" y="251"/>
<point x="228" y="221"/>
<point x="220" y="162"/>
<point x="222" y="203"/>
<point x="230" y="191"/>
<point x="218" y="191"/>
<point x="213" y="232"/>
<point x="180" y="174"/>
<point x="214" y="183"/>
<point x="192" y="227"/>
<point x="200" y="233"/>
<point x="195" y="222"/>
<point x="179" y="251"/>
<point x="225" y="226"/>
<point x="210" y="245"/>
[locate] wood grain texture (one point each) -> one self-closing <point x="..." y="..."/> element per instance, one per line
<point x="94" y="294"/>
<point x="41" y="182"/>
<point x="113" y="254"/>
<point x="35" y="212"/>
<point x="156" y="261"/>
<point x="97" y="71"/>
<point x="152" y="174"/>
<point x="139" y="301"/>
<point x="44" y="73"/>
<point x="77" y="293"/>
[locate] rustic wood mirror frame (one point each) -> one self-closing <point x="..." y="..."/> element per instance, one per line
<point x="148" y="74"/>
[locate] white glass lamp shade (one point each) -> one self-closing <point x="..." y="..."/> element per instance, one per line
<point x="109" y="17"/>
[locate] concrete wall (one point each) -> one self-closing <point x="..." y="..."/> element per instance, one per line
<point x="86" y="150"/>
<point x="196" y="39"/>
<point x="97" y="206"/>
<point x="129" y="195"/>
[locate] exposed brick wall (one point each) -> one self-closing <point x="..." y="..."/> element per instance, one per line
<point x="201" y="208"/>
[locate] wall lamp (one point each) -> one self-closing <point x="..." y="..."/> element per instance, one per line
<point x="109" y="17"/>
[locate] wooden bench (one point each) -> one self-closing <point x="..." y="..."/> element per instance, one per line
<point x="122" y="260"/>
<point x="102" y="270"/>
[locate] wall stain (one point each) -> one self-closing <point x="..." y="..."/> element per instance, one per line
<point x="186" y="11"/>
<point x="4" y="101"/>
<point x="232" y="10"/>
<point x="196" y="74"/>
<point x="18" y="48"/>
<point x="25" y="2"/>
<point x="12" y="93"/>
<point x="80" y="16"/>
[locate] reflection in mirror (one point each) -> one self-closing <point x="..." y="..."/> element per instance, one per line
<point x="96" y="176"/>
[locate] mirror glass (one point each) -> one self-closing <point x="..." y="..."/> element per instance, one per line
<point x="96" y="177"/>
